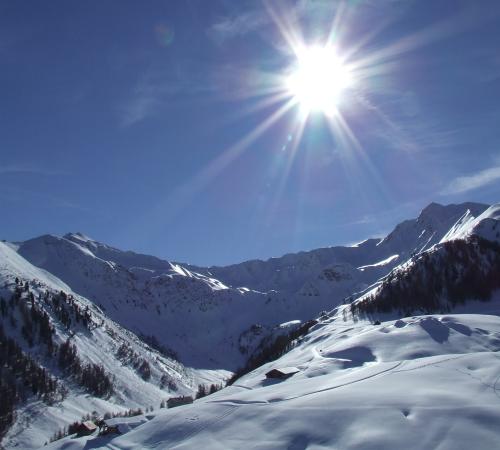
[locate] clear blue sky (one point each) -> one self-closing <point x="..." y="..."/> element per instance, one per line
<point x="140" y="123"/>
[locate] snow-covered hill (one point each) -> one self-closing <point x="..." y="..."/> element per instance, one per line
<point x="464" y="265"/>
<point x="377" y="377"/>
<point x="191" y="313"/>
<point x="192" y="310"/>
<point x="417" y="383"/>
<point x="371" y="382"/>
<point x="485" y="225"/>
<point x="98" y="342"/>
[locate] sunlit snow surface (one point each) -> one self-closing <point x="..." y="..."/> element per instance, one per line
<point x="423" y="382"/>
<point x="36" y="421"/>
<point x="192" y="309"/>
<point x="485" y="225"/>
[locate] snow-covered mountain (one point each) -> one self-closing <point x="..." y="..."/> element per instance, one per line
<point x="215" y="318"/>
<point x="292" y="272"/>
<point x="424" y="382"/>
<point x="193" y="314"/>
<point x="34" y="301"/>
<point x="464" y="265"/>
<point x="192" y="310"/>
<point x="383" y="380"/>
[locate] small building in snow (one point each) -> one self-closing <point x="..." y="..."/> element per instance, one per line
<point x="282" y="372"/>
<point x="178" y="401"/>
<point x="86" y="428"/>
<point x="109" y="429"/>
<point x="122" y="425"/>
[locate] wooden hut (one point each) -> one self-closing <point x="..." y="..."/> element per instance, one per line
<point x="282" y="372"/>
<point x="178" y="401"/>
<point x="86" y="428"/>
<point x="109" y="427"/>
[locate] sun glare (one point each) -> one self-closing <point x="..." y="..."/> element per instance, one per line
<point x="319" y="79"/>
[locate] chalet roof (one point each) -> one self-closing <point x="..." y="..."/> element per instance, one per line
<point x="89" y="425"/>
<point x="125" y="424"/>
<point x="287" y="371"/>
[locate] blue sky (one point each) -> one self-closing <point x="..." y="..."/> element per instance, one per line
<point x="146" y="125"/>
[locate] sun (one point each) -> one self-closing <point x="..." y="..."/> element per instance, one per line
<point x="319" y="79"/>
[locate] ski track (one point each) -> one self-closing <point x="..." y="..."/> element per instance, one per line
<point x="191" y="432"/>
<point x="346" y="384"/>
<point x="330" y="388"/>
<point x="434" y="363"/>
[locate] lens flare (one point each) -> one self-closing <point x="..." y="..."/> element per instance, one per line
<point x="164" y="34"/>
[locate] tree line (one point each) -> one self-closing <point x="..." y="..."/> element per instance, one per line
<point x="21" y="376"/>
<point x="437" y="281"/>
<point x="270" y="351"/>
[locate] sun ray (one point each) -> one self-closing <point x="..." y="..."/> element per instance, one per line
<point x="356" y="155"/>
<point x="365" y="39"/>
<point x="336" y="23"/>
<point x="177" y="200"/>
<point x="391" y="124"/>
<point x="322" y="75"/>
<point x="421" y="38"/>
<point x="291" y="153"/>
<point x="232" y="153"/>
<point x="290" y="33"/>
<point x="261" y="104"/>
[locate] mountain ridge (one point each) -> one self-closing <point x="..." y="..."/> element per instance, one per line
<point x="178" y="303"/>
<point x="211" y="317"/>
<point x="412" y="364"/>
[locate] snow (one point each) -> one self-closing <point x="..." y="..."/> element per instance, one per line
<point x="191" y="309"/>
<point x="435" y="219"/>
<point x="36" y="422"/>
<point x="414" y="383"/>
<point x="290" y="324"/>
<point x="294" y="274"/>
<point x="12" y="265"/>
<point x="384" y="262"/>
<point x="126" y="424"/>
<point x="190" y="312"/>
<point x="485" y="225"/>
<point x="285" y="370"/>
<point x="172" y="303"/>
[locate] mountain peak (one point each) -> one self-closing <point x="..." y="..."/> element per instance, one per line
<point x="439" y="212"/>
<point x="78" y="236"/>
<point x="432" y="208"/>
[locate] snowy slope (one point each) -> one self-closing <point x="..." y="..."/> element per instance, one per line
<point x="290" y="272"/>
<point x="485" y="225"/>
<point x="37" y="421"/>
<point x="158" y="298"/>
<point x="192" y="310"/>
<point x="194" y="314"/>
<point x="417" y="383"/>
<point x="464" y="264"/>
